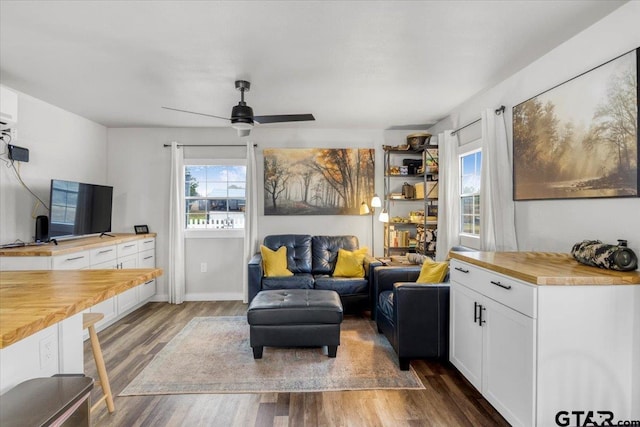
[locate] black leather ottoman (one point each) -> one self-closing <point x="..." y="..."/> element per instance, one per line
<point x="295" y="318"/>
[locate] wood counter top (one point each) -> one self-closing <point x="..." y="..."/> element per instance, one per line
<point x="545" y="268"/>
<point x="72" y="245"/>
<point x="34" y="300"/>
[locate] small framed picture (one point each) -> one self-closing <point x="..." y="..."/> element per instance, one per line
<point x="141" y="229"/>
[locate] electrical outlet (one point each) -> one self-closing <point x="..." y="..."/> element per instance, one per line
<point x="203" y="267"/>
<point x="47" y="348"/>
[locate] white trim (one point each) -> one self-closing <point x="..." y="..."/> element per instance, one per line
<point x="214" y="296"/>
<point x="191" y="233"/>
<point x="240" y="161"/>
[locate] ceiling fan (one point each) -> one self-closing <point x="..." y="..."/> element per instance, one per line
<point x="242" y="118"/>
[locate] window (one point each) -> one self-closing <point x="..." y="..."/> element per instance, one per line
<point x="215" y="194"/>
<point x="470" y="166"/>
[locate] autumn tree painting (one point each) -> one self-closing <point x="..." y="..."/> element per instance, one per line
<point x="332" y="181"/>
<point x="580" y="139"/>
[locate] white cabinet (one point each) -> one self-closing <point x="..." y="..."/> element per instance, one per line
<point x="122" y="252"/>
<point x="72" y="261"/>
<point x="537" y="351"/>
<point x="492" y="344"/>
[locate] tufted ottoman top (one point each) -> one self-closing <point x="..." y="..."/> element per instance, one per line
<point x="295" y="307"/>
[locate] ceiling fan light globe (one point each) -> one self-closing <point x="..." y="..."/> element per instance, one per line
<point x="243" y="132"/>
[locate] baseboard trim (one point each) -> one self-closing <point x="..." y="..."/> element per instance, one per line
<point x="214" y="296"/>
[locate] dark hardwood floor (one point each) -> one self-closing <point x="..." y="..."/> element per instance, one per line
<point x="128" y="345"/>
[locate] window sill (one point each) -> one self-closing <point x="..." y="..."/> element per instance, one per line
<point x="470" y="240"/>
<point x="214" y="234"/>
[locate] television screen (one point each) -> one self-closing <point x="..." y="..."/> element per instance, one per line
<point x="78" y="209"/>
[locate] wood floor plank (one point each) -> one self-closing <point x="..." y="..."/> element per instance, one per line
<point x="131" y="343"/>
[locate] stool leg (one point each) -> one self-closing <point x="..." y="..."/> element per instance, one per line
<point x="102" y="370"/>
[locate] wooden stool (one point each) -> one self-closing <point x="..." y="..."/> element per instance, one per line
<point x="88" y="321"/>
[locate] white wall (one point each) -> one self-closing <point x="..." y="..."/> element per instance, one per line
<point x="556" y="225"/>
<point x="61" y="145"/>
<point x="139" y="171"/>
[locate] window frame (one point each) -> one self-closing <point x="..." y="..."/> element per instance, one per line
<point x="217" y="233"/>
<point x="469" y="239"/>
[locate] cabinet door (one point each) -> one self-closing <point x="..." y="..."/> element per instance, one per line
<point x="508" y="362"/>
<point x="130" y="261"/>
<point x="465" y="333"/>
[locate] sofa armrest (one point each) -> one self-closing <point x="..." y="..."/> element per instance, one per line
<point x="255" y="274"/>
<point x="421" y="316"/>
<point x="384" y="277"/>
<point x="369" y="264"/>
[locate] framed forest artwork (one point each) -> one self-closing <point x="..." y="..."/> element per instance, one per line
<point x="317" y="181"/>
<point x="580" y="138"/>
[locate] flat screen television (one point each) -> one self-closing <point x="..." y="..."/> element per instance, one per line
<point x="77" y="209"/>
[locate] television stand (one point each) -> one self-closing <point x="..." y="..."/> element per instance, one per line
<point x="106" y="234"/>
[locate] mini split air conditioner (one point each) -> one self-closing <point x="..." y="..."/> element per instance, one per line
<point x="8" y="108"/>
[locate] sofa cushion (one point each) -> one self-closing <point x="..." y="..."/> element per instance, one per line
<point x="297" y="281"/>
<point x="298" y="250"/>
<point x="433" y="272"/>
<point x="385" y="304"/>
<point x="350" y="263"/>
<point x="342" y="285"/>
<point x="325" y="251"/>
<point x="274" y="263"/>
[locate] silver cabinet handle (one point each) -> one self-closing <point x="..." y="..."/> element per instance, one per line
<point x="129" y="246"/>
<point x="501" y="285"/>
<point x="75" y="258"/>
<point x="150" y="281"/>
<point x="148" y="257"/>
<point x="105" y="251"/>
<point x="461" y="270"/>
<point x="148" y="241"/>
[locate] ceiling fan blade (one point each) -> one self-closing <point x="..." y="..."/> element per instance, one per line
<point x="279" y="118"/>
<point x="194" y="112"/>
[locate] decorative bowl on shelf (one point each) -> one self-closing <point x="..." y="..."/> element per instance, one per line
<point x="418" y="140"/>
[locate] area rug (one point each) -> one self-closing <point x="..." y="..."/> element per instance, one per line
<point x="212" y="355"/>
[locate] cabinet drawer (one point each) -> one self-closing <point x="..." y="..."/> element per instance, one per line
<point x="73" y="261"/>
<point x="103" y="254"/>
<point x="128" y="248"/>
<point x="503" y="289"/>
<point x="147" y="290"/>
<point x="146" y="244"/>
<point x="147" y="259"/>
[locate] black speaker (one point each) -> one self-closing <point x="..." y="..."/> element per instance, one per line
<point x="42" y="229"/>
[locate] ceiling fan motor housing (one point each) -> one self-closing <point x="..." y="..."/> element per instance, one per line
<point x="242" y="113"/>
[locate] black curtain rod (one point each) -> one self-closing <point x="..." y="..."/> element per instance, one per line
<point x="209" y="145"/>
<point x="498" y="111"/>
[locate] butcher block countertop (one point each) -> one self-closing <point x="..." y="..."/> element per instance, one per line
<point x="31" y="301"/>
<point x="545" y="268"/>
<point x="72" y="245"/>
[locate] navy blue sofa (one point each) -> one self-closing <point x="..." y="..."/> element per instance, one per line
<point x="312" y="260"/>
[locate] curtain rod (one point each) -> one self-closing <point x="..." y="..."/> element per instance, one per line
<point x="498" y="111"/>
<point x="209" y="145"/>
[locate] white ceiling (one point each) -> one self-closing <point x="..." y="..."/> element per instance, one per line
<point x="353" y="64"/>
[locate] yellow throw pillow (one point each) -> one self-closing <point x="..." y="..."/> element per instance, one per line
<point x="350" y="264"/>
<point x="275" y="262"/>
<point x="433" y="272"/>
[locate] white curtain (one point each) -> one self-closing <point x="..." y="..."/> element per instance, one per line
<point x="251" y="217"/>
<point x="176" y="226"/>
<point x="497" y="211"/>
<point x="448" y="195"/>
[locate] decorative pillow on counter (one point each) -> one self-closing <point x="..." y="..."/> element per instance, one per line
<point x="274" y="263"/>
<point x="433" y="272"/>
<point x="350" y="264"/>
